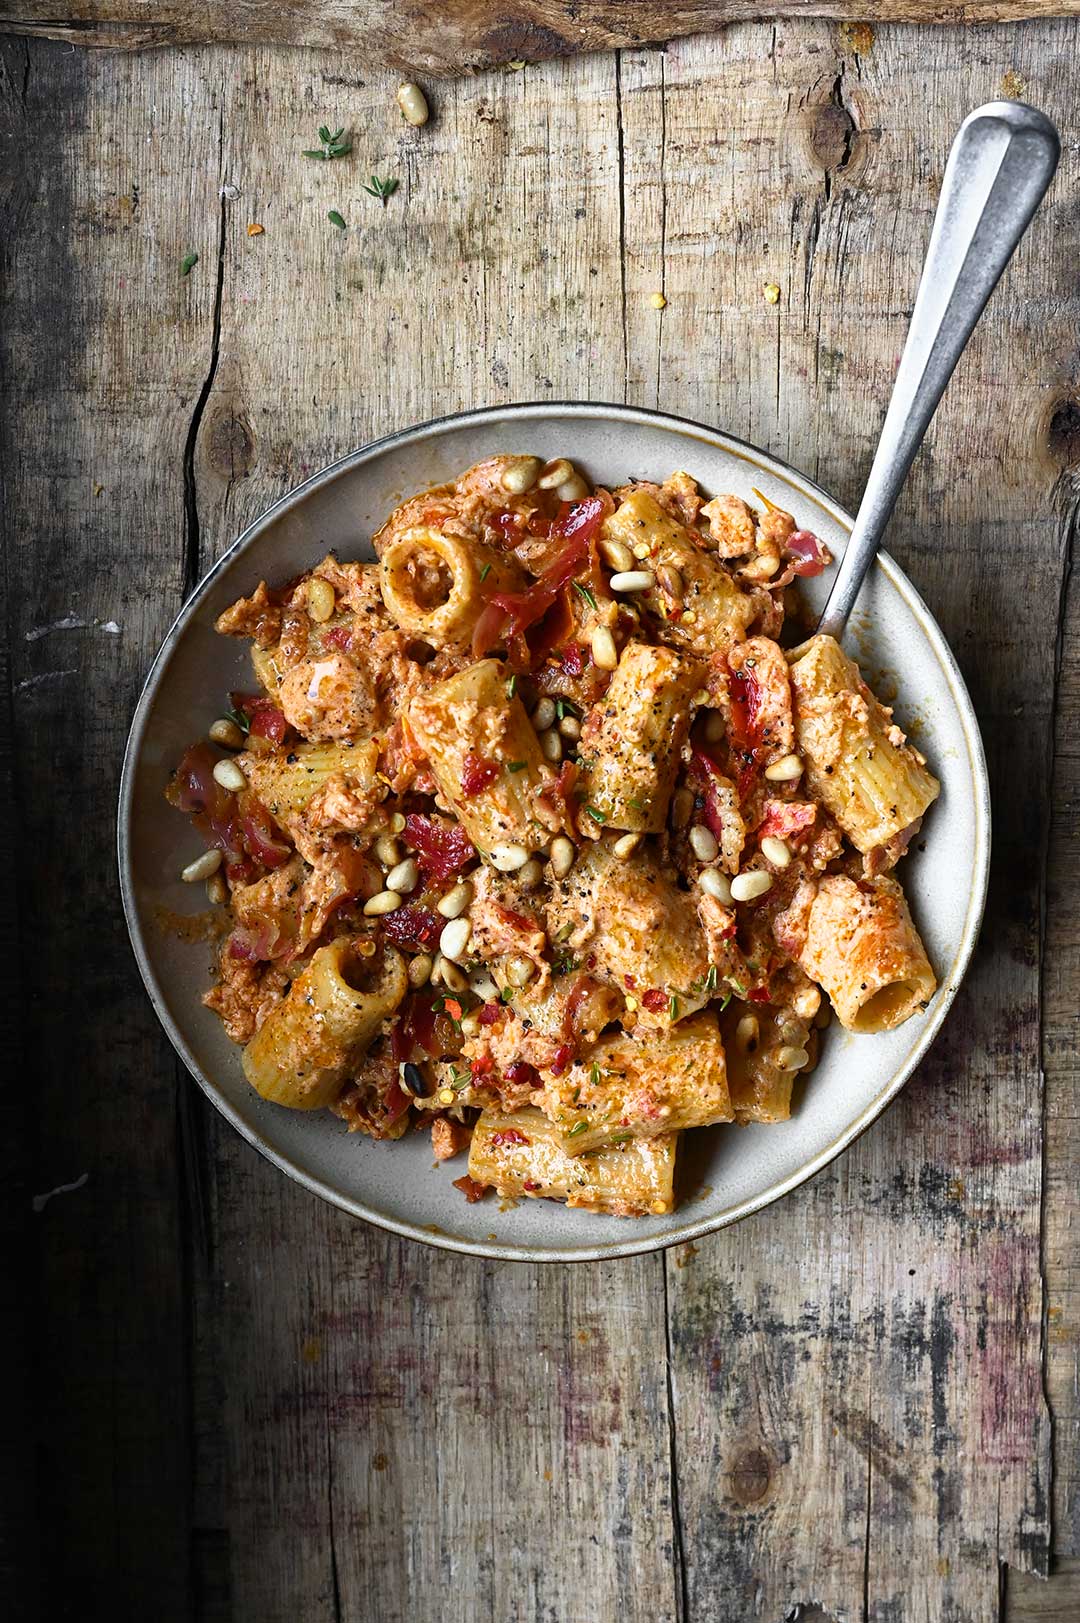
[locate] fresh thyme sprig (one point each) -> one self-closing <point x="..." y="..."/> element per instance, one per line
<point x="382" y="189"/>
<point x="333" y="145"/>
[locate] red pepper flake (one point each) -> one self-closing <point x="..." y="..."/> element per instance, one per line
<point x="655" y="1000"/>
<point x="488" y="1013"/>
<point x="482" y="1065"/>
<point x="629" y="982"/>
<point x="472" y="1190"/>
<point x="573" y="659"/>
<point x="442" y="849"/>
<point x="339" y="637"/>
<point x="530" y="1187"/>
<point x="452" y="1007"/>
<point x="758" y="994"/>
<point x="561" y="1059"/>
<point x="508" y="1135"/>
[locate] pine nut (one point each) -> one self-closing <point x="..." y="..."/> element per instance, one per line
<point x="563" y="853"/>
<point x="202" y="867"/>
<point x="806" y="1002"/>
<point x="404" y="877"/>
<point x="482" y="984"/>
<point x="385" y="902"/>
<point x="746" y="1033"/>
<point x="605" y="654"/>
<point x="573" y="489"/>
<point x="470" y="1024"/>
<point x="776" y="851"/>
<point x="413" y="103"/>
<point x="451" y="976"/>
<point x="791" y="1059"/>
<point x="419" y="970"/>
<point x="716" y="884"/>
<point x="454" y="940"/>
<point x="454" y="903"/>
<point x="531" y="875"/>
<point x="616" y="553"/>
<point x="669" y="580"/>
<point x="227" y="734"/>
<point x="520" y="475"/>
<point x="641" y="549"/>
<point x="388" y="851"/>
<point x="320" y="599"/>
<point x="544" y="714"/>
<point x="570" y="727"/>
<point x="397" y="823"/>
<point x="746" y="886"/>
<point x="633" y="580"/>
<point x="508" y="858"/>
<point x="230" y="777"/>
<point x="682" y="806"/>
<point x="556" y="473"/>
<point x="626" y="846"/>
<point x="703" y="843"/>
<point x="715" y="727"/>
<point x="551" y="744"/>
<point x="217" y="891"/>
<point x="520" y="970"/>
<point x="785" y="770"/>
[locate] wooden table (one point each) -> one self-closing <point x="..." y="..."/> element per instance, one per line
<point x="235" y="1402"/>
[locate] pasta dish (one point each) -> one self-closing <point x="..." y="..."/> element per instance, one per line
<point x="549" y="830"/>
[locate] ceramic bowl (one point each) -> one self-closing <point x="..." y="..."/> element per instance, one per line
<point x="727" y="1172"/>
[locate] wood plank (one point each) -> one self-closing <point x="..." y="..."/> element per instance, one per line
<point x="104" y="350"/>
<point x="471" y="34"/>
<point x="865" y="1358"/>
<point x="428" y="1428"/>
<point x="1033" y="1600"/>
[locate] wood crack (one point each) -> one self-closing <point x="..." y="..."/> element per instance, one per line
<point x="622" y="220"/>
<point x="192" y="533"/>
<point x="682" y="1602"/>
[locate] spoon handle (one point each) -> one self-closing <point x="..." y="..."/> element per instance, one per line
<point x="1001" y="163"/>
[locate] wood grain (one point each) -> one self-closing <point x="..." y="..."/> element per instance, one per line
<point x="469" y="34"/>
<point x="252" y="1406"/>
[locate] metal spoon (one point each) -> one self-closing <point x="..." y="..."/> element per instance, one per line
<point x="1001" y="163"/>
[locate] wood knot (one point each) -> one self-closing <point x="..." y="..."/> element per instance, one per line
<point x="1063" y="432"/>
<point x="751" y="1476"/>
<point x="832" y="136"/>
<point x="230" y="444"/>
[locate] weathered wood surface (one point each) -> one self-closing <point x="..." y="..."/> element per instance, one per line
<point x="458" y="36"/>
<point x="250" y="1406"/>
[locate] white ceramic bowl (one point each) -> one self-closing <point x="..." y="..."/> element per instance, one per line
<point x="726" y="1172"/>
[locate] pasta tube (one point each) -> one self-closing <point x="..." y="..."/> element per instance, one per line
<point x="639" y="932"/>
<point x="631" y="1088"/>
<point x="521" y="1154"/>
<point x="286" y="780"/>
<point x="486" y="756"/>
<point x="857" y="760"/>
<point x="766" y="1050"/>
<point x="302" y="1053"/>
<point x="721" y="612"/>
<point x="431" y="583"/>
<point x="633" y="737"/>
<point x="863" y="949"/>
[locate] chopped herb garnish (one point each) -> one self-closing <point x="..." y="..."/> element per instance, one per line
<point x="673" y="1007"/>
<point x="563" y="966"/>
<point x="484" y="573"/>
<point x="633" y="800"/>
<point x="563" y="707"/>
<point x="578" y="1127"/>
<point x="238" y="718"/>
<point x="382" y="189"/>
<point x="583" y="591"/>
<point x="188" y="263"/>
<point x="724" y="1001"/>
<point x="563" y="931"/>
<point x="736" y="986"/>
<point x="336" y="219"/>
<point x="511" y="686"/>
<point x="459" y="1079"/>
<point x="594" y="1074"/>
<point x="710" y="980"/>
<point x="516" y="766"/>
<point x="506" y="995"/>
<point x="333" y="145"/>
<point x="597" y="816"/>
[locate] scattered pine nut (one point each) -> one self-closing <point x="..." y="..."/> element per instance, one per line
<point x="563" y="854"/>
<point x="202" y="867"/>
<point x="413" y="103"/>
<point x="385" y="902"/>
<point x="227" y="734"/>
<point x="746" y="887"/>
<point x="230" y="777"/>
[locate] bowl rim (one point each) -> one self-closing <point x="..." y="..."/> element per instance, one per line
<point x="692" y="1228"/>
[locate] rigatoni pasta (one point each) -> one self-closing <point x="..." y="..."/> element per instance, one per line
<point x="534" y="834"/>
